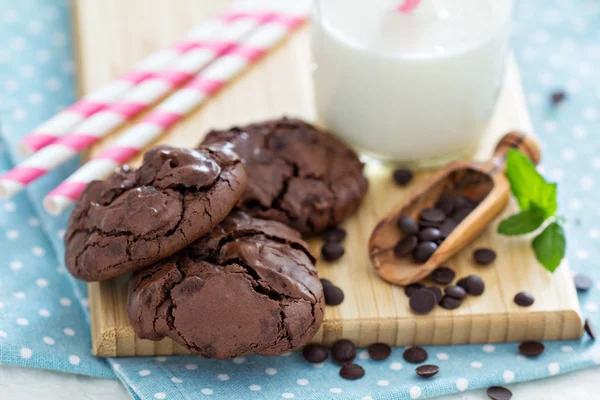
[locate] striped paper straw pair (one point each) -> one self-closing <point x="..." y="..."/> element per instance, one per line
<point x="197" y="55"/>
<point x="173" y="109"/>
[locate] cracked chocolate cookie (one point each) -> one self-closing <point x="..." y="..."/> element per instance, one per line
<point x="248" y="287"/>
<point x="298" y="175"/>
<point x="137" y="217"/>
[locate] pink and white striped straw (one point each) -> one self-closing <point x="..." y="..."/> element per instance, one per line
<point x="136" y="101"/>
<point x="408" y="6"/>
<point x="159" y="66"/>
<point x="173" y="109"/>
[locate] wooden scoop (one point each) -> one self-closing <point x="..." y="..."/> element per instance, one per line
<point x="481" y="182"/>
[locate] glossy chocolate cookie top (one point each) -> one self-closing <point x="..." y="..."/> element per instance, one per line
<point x="298" y="174"/>
<point x="248" y="287"/>
<point x="137" y="217"/>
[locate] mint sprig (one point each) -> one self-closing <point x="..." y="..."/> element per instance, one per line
<point x="537" y="200"/>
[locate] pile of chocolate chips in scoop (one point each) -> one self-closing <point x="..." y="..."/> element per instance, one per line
<point x="434" y="225"/>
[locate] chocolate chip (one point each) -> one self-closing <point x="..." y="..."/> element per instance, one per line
<point x="589" y="328"/>
<point x="408" y="225"/>
<point x="437" y="292"/>
<point x="405" y="246"/>
<point x="422" y="301"/>
<point x="456" y="292"/>
<point x="335" y="234"/>
<point x="499" y="393"/>
<point x="352" y="372"/>
<point x="424" y="251"/>
<point x="484" y="256"/>
<point x="583" y="282"/>
<point x="333" y="295"/>
<point x="531" y="348"/>
<point x="413" y="287"/>
<point x="415" y="355"/>
<point x="315" y="353"/>
<point x="447" y="227"/>
<point x="379" y="351"/>
<point x="524" y="299"/>
<point x="443" y="275"/>
<point x="427" y="371"/>
<point x="473" y="284"/>
<point x="558" y="97"/>
<point x="432" y="215"/>
<point x="460" y="213"/>
<point x="403" y="176"/>
<point x="332" y="251"/>
<point x="429" y="224"/>
<point x="450" y="303"/>
<point x="325" y="282"/>
<point x="430" y="234"/>
<point x="343" y="351"/>
<point x="446" y="204"/>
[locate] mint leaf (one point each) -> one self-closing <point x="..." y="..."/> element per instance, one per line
<point x="524" y="222"/>
<point x="550" y="245"/>
<point x="527" y="185"/>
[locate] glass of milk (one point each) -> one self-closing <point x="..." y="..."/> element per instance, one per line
<point x="416" y="88"/>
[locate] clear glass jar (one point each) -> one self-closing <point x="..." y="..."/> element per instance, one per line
<point x="418" y="88"/>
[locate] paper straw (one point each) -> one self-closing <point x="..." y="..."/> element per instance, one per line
<point x="408" y="6"/>
<point x="155" y="67"/>
<point x="173" y="109"/>
<point x="103" y="123"/>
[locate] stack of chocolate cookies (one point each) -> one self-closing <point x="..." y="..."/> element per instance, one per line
<point x="213" y="236"/>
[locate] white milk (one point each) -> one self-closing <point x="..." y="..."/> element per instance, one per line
<point x="416" y="88"/>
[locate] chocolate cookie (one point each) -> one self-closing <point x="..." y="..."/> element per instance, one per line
<point x="298" y="175"/>
<point x="248" y="287"/>
<point x="137" y="217"/>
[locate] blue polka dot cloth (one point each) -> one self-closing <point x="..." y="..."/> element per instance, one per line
<point x="44" y="312"/>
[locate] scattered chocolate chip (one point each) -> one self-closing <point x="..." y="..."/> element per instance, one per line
<point x="450" y="303"/>
<point x="432" y="215"/>
<point x="335" y="234"/>
<point x="403" y="176"/>
<point x="430" y="234"/>
<point x="436" y="291"/>
<point x="334" y="296"/>
<point x="415" y="355"/>
<point x="343" y="351"/>
<point x="531" y="348"/>
<point x="524" y="299"/>
<point x="473" y="284"/>
<point x="315" y="353"/>
<point x="332" y="251"/>
<point x="589" y="328"/>
<point x="379" y="351"/>
<point x="462" y="282"/>
<point x="325" y="282"/>
<point x="499" y="393"/>
<point x="447" y="227"/>
<point x="583" y="283"/>
<point x="558" y="97"/>
<point x="427" y="370"/>
<point x="352" y="372"/>
<point x="443" y="275"/>
<point x="446" y="204"/>
<point x="408" y="225"/>
<point x="484" y="256"/>
<point x="424" y="251"/>
<point x="413" y="287"/>
<point x="422" y="301"/>
<point x="406" y="246"/>
<point x="456" y="292"/>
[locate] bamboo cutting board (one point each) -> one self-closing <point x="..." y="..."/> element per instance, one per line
<point x="114" y="34"/>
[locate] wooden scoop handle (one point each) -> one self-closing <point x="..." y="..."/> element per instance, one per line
<point x="516" y="140"/>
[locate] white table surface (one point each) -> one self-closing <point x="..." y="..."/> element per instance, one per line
<point x="25" y="384"/>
